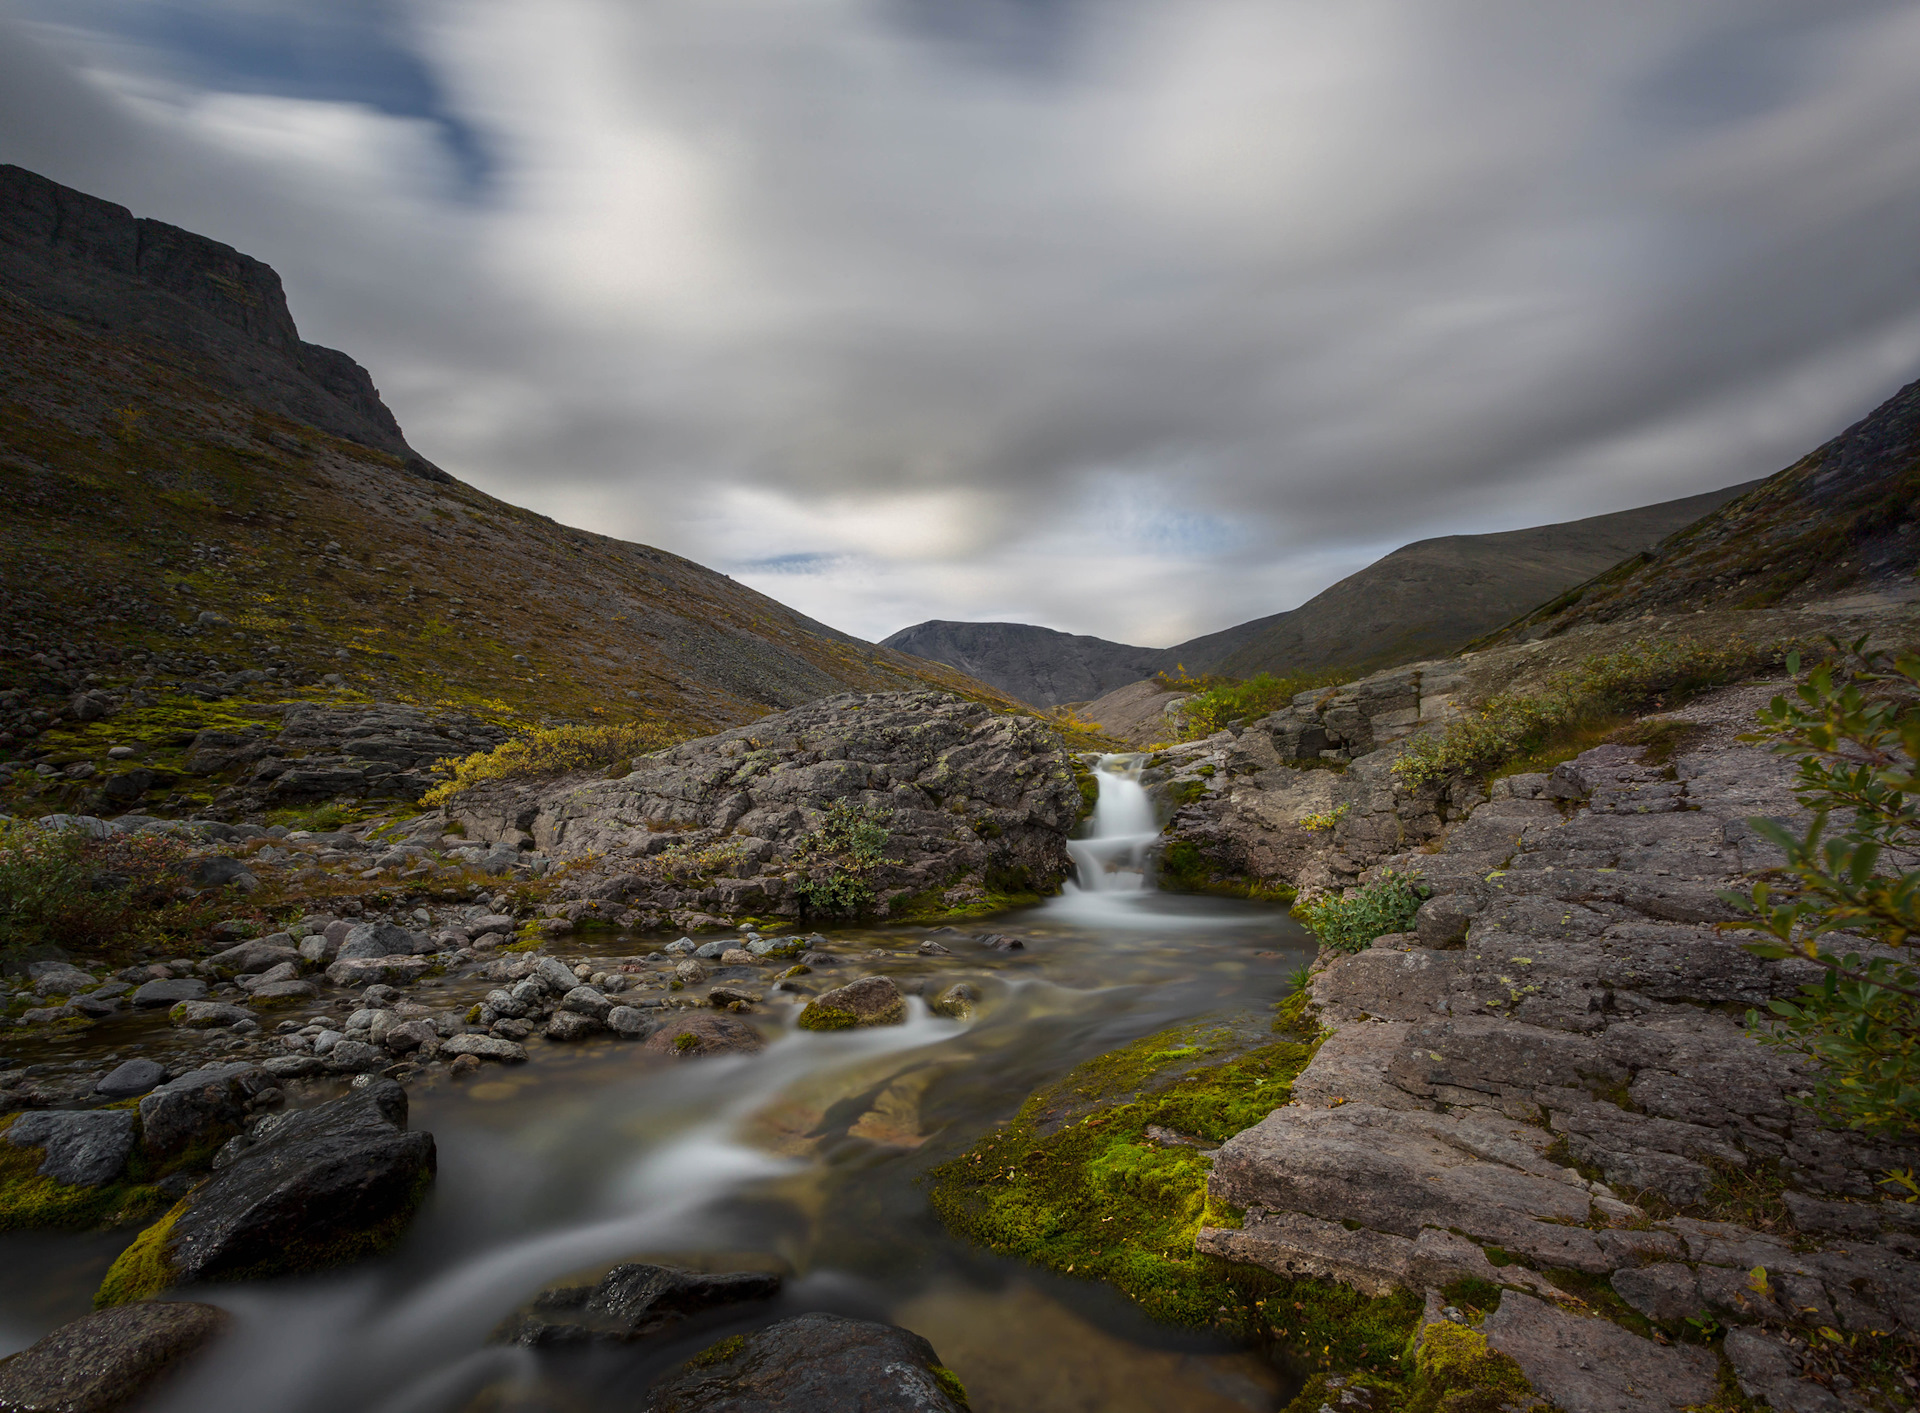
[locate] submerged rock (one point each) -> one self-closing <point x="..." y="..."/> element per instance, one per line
<point x="820" y="1363"/>
<point x="315" y="1188"/>
<point x="872" y="1000"/>
<point x="109" y="1359"/>
<point x="630" y="1301"/>
<point x="705" y="1033"/>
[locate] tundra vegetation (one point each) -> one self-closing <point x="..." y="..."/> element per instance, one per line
<point x="65" y="889"/>
<point x="555" y="750"/>
<point x="1216" y="703"/>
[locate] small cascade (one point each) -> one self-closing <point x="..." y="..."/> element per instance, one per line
<point x="1112" y="858"/>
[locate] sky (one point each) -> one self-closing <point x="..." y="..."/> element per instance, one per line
<point x="1129" y="317"/>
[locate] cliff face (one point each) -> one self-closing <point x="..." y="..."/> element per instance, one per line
<point x="72" y="254"/>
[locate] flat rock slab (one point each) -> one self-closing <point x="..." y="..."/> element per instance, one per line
<point x="484" y="1047"/>
<point x="283" y="993"/>
<point x="207" y="1015"/>
<point x="387" y="971"/>
<point x="106" y="1360"/>
<point x="1591" y="1365"/>
<point x="1769" y="1371"/>
<point x="84" y="1147"/>
<point x="155" y="994"/>
<point x="820" y="1363"/>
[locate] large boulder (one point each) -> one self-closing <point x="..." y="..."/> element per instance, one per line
<point x="630" y="1301"/>
<point x="377" y="939"/>
<point x="200" y="1110"/>
<point x="109" y="1359"/>
<point x="872" y="1000"/>
<point x="255" y="957"/>
<point x="378" y="971"/>
<point x="733" y="823"/>
<point x="170" y="992"/>
<point x="313" y="1189"/>
<point x="820" y="1363"/>
<point x="84" y="1147"/>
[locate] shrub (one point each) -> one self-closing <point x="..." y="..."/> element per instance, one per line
<point x="1349" y="923"/>
<point x="839" y="855"/>
<point x="553" y="750"/>
<point x="64" y="888"/>
<point x="1856" y="743"/>
<point x="1220" y="702"/>
<point x="1642" y="676"/>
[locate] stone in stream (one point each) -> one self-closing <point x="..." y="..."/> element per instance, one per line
<point x="483" y="1047"/>
<point x="630" y="1301"/>
<point x="1000" y="942"/>
<point x="587" y="1001"/>
<point x="872" y="1000"/>
<point x="200" y="1109"/>
<point x="84" y="1148"/>
<point x="109" y="1359"/>
<point x="376" y="939"/>
<point x="281" y="993"/>
<point x="58" y="979"/>
<point x="572" y="1025"/>
<point x="367" y="971"/>
<point x="172" y="991"/>
<point x="206" y="1015"/>
<point x="956" y="1002"/>
<point x="130" y="1079"/>
<point x="820" y="1363"/>
<point x="630" y="1023"/>
<point x="313" y="1189"/>
<point x="255" y="957"/>
<point x="704" y="1033"/>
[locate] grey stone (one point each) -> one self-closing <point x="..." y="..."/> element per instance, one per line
<point x="281" y="993"/>
<point x="202" y="1107"/>
<point x="1591" y="1365"/>
<point x="409" y="1036"/>
<point x="572" y="1025"/>
<point x="629" y="1302"/>
<point x="131" y="1078"/>
<point x="205" y="1015"/>
<point x="1666" y="1290"/>
<point x="169" y="993"/>
<point x="587" y="1002"/>
<point x="107" y="1360"/>
<point x="712" y="951"/>
<point x="872" y="1000"/>
<point x="629" y="1023"/>
<point x="1768" y="1371"/>
<point x="485" y="1047"/>
<point x="821" y="1363"/>
<point x="84" y="1148"/>
<point x="554" y="974"/>
<point x="491" y="924"/>
<point x="58" y="979"/>
<point x="356" y="1057"/>
<point x="255" y="957"/>
<point x="376" y="939"/>
<point x="367" y="971"/>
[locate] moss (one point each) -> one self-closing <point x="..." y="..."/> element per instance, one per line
<point x="719" y="1352"/>
<point x="145" y="1268"/>
<point x="819" y="1017"/>
<point x="1457" y="1371"/>
<point x="29" y="1201"/>
<point x="685" y="1041"/>
<point x="950" y="1384"/>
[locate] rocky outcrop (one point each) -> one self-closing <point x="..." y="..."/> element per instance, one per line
<point x="969" y="803"/>
<point x="308" y="1190"/>
<point x="108" y="1360"/>
<point x="822" y="1363"/>
<point x="1558" y="1044"/>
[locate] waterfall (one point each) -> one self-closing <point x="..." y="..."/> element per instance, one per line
<point x="1112" y="858"/>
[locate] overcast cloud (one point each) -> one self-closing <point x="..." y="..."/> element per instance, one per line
<point x="1137" y="317"/>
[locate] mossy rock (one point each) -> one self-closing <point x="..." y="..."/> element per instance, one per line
<point x="30" y="1202"/>
<point x="872" y="1000"/>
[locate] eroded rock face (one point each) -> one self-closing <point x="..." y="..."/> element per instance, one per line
<point x="314" y="1188"/>
<point x="822" y="1363"/>
<point x="109" y="1359"/>
<point x="971" y="800"/>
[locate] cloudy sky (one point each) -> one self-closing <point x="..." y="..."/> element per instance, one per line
<point x="1128" y="317"/>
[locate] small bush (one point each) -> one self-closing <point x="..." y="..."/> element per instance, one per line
<point x="840" y="855"/>
<point x="63" y="888"/>
<point x="1220" y="702"/>
<point x="1856" y="743"/>
<point x="553" y="750"/>
<point x="1643" y="676"/>
<point x="1383" y="906"/>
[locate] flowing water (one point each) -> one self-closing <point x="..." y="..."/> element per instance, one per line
<point x="805" y="1158"/>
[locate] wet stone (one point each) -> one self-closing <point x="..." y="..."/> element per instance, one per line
<point x="130" y="1079"/>
<point x="822" y="1363"/>
<point x="107" y="1360"/>
<point x="84" y="1148"/>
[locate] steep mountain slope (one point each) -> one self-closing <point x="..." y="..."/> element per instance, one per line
<point x="174" y="525"/>
<point x="1425" y="598"/>
<point x="1035" y="664"/>
<point x="1840" y="521"/>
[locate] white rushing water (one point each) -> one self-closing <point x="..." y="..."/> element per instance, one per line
<point x="1113" y="883"/>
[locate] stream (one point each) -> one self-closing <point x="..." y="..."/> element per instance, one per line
<point x="806" y="1158"/>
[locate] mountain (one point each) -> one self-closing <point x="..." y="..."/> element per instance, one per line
<point x="1424" y="599"/>
<point x="197" y="498"/>
<point x="1034" y="664"/>
<point x="1839" y="523"/>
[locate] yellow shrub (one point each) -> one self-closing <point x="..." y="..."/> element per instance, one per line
<point x="554" y="750"/>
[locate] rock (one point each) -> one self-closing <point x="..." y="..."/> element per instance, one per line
<point x="272" y="976"/>
<point x="553" y="974"/>
<point x="498" y="924"/>
<point x="315" y="948"/>
<point x="587" y="1001"/>
<point x="931" y="948"/>
<point x="483" y="1047"/>
<point x="957" y="1002"/>
<point x="255" y="957"/>
<point x="1591" y="1365"/>
<point x="214" y="871"/>
<point x="724" y="996"/>
<point x="1000" y="942"/>
<point x="737" y="957"/>
<point x="872" y="1000"/>
<point x="84" y="1147"/>
<point x="1768" y="1371"/>
<point x="130" y="1079"/>
<point x="690" y="972"/>
<point x="58" y="979"/>
<point x="712" y="951"/>
<point x="200" y="1109"/>
<point x="294" y="1066"/>
<point x="205" y="1015"/>
<point x="281" y="993"/>
<point x="1665" y="1290"/>
<point x="376" y="939"/>
<point x="318" y="1188"/>
<point x="355" y="1057"/>
<point x="629" y="1023"/>
<point x="571" y="1025"/>
<point x="170" y="992"/>
<point x="365" y="971"/>
<point x="408" y="1036"/>
<point x="705" y="1033"/>
<point x="109" y="1359"/>
<point x="820" y="1363"/>
<point x="630" y="1301"/>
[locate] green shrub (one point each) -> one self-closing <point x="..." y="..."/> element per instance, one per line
<point x="63" y="888"/>
<point x="840" y="854"/>
<point x="1642" y="676"/>
<point x="1220" y="702"/>
<point x="1349" y="923"/>
<point x="1856" y="742"/>
<point x="553" y="750"/>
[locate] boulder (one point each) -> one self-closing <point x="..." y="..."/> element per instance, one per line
<point x="356" y="1057"/>
<point x="630" y="1023"/>
<point x="201" y="1109"/>
<point x="872" y="1000"/>
<point x="205" y="1015"/>
<point x="1585" y="1364"/>
<point x="629" y="1302"/>
<point x="587" y="1001"/>
<point x="314" y="1189"/>
<point x="376" y="939"/>
<point x="58" y="979"/>
<point x="571" y="1025"/>
<point x="281" y="993"/>
<point x="109" y="1359"/>
<point x="84" y="1147"/>
<point x="484" y="1047"/>
<point x="368" y="971"/>
<point x="408" y="1036"/>
<point x="822" y="1363"/>
<point x="170" y="992"/>
<point x="704" y="1033"/>
<point x="493" y="924"/>
<point x="130" y="1079"/>
<point x="255" y="957"/>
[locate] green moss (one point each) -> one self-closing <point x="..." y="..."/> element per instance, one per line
<point x="1457" y="1371"/>
<point x="950" y="1382"/>
<point x="718" y="1352"/>
<point x="685" y="1041"/>
<point x="145" y="1268"/>
<point x="29" y="1201"/>
<point x="819" y="1017"/>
